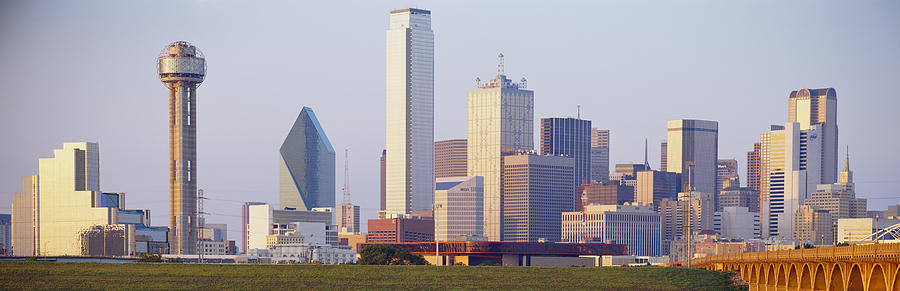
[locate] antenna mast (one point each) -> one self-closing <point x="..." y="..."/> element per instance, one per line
<point x="501" y="70"/>
<point x="346" y="175"/>
<point x="200" y="225"/>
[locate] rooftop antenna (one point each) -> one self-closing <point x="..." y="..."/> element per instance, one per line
<point x="578" y="114"/>
<point x="346" y="175"/>
<point x="501" y="70"/>
<point x="646" y="163"/>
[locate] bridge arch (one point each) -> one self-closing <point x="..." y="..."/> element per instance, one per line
<point x="897" y="282"/>
<point x="855" y="280"/>
<point x="792" y="277"/>
<point x="781" y="276"/>
<point x="805" y="278"/>
<point x="754" y="274"/>
<point x="876" y="279"/>
<point x="820" y="282"/>
<point x="770" y="275"/>
<point x="837" y="279"/>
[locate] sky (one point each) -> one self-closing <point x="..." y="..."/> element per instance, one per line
<point x="85" y="71"/>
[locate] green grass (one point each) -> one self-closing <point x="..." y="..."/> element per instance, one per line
<point x="50" y="275"/>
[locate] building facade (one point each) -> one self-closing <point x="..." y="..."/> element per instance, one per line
<point x="410" y="111"/>
<point x="265" y="219"/>
<point x="663" y="156"/>
<point x="25" y="224"/>
<point x="739" y="197"/>
<point x="5" y="234"/>
<point x="818" y="107"/>
<point x="696" y="143"/>
<point x="347" y="218"/>
<point x="401" y="229"/>
<point x="654" y="186"/>
<point x="813" y="226"/>
<point x="461" y="210"/>
<point x="306" y="165"/>
<point x="603" y="194"/>
<point x="599" y="155"/>
<point x="790" y="157"/>
<point x="637" y="226"/>
<point x="726" y="170"/>
<point x="500" y="122"/>
<point x="182" y="67"/>
<point x="450" y="158"/>
<point x="753" y="167"/>
<point x="569" y="137"/>
<point x="737" y="222"/>
<point x="537" y="189"/>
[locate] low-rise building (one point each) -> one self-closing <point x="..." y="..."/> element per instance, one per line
<point x="737" y="222"/>
<point x="401" y="228"/>
<point x="637" y="226"/>
<point x="854" y="230"/>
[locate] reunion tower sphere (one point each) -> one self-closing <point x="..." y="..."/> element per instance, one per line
<point x="182" y="67"/>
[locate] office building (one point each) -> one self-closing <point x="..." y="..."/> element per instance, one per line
<point x="5" y="234"/>
<point x="500" y="121"/>
<point x="694" y="208"/>
<point x="663" y="156"/>
<point x="737" y="222"/>
<point x="461" y="207"/>
<point x="306" y="165"/>
<point x="245" y="222"/>
<point x="25" y="225"/>
<point x="383" y="180"/>
<point x="403" y="228"/>
<point x="599" y="155"/>
<point x="790" y="158"/>
<point x="450" y="158"/>
<point x="264" y="220"/>
<point x="753" y="167"/>
<point x="818" y="107"/>
<point x="537" y="189"/>
<point x="813" y="226"/>
<point x="410" y="111"/>
<point x="635" y="225"/>
<point x="726" y="170"/>
<point x="609" y="193"/>
<point x="351" y="240"/>
<point x="182" y="67"/>
<point x="214" y="232"/>
<point x="569" y="137"/>
<point x="739" y="197"/>
<point x="653" y="186"/>
<point x="838" y="199"/>
<point x="292" y="246"/>
<point x="860" y="230"/>
<point x="347" y="218"/>
<point x="694" y="143"/>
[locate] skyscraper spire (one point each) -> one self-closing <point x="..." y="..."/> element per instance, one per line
<point x="646" y="162"/>
<point x="847" y="161"/>
<point x="501" y="68"/>
<point x="846" y="176"/>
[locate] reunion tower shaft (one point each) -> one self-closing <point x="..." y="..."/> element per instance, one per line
<point x="182" y="67"/>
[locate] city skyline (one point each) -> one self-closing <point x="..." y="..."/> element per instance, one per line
<point x="134" y="157"/>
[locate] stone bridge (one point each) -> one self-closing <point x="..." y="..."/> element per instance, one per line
<point x="871" y="267"/>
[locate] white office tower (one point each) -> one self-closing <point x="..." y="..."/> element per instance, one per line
<point x="500" y="122"/>
<point x="694" y="142"/>
<point x="812" y="107"/>
<point x="791" y="159"/>
<point x="410" y="112"/>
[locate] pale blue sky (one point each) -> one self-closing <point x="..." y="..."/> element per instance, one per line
<point x="85" y="70"/>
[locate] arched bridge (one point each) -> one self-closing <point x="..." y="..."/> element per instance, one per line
<point x="871" y="267"/>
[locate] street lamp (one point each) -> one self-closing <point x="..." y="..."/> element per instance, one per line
<point x="437" y="246"/>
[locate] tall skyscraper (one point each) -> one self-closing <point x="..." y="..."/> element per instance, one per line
<point x="25" y="223"/>
<point x="306" y="165"/>
<point x="535" y="194"/>
<point x="500" y="122"/>
<point x="664" y="148"/>
<point x="450" y="158"/>
<point x="694" y="142"/>
<point x="569" y="137"/>
<point x="599" y="155"/>
<point x="410" y="111"/>
<point x="753" y="167"/>
<point x="726" y="169"/>
<point x="810" y="107"/>
<point x="347" y="218"/>
<point x="245" y="224"/>
<point x="182" y="67"/>
<point x="462" y="207"/>
<point x="790" y="160"/>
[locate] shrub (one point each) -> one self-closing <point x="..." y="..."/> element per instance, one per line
<point x="388" y="255"/>
<point x="150" y="258"/>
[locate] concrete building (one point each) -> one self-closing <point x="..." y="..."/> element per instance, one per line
<point x="694" y="142"/>
<point x="790" y="164"/>
<point x="726" y="170"/>
<point x="450" y="158"/>
<point x="182" y="67"/>
<point x="264" y="220"/>
<point x="214" y="248"/>
<point x="347" y="218"/>
<point x="753" y="167"/>
<point x="813" y="226"/>
<point x="839" y="199"/>
<point x="653" y="186"/>
<point x="737" y="222"/>
<point x="245" y="222"/>
<point x="500" y="121"/>
<point x="609" y="193"/>
<point x="25" y="224"/>
<point x="818" y="107"/>
<point x="599" y="155"/>
<point x="301" y="243"/>
<point x="856" y="230"/>
<point x="695" y="208"/>
<point x="306" y="165"/>
<point x="352" y="240"/>
<point x="663" y="157"/>
<point x="409" y="135"/>
<point x="401" y="229"/>
<point x="569" y="137"/>
<point x="5" y="234"/>
<point x="461" y="210"/>
<point x="739" y="197"/>
<point x="537" y="189"/>
<point x="637" y="226"/>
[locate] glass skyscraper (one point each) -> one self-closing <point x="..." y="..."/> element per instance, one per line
<point x="409" y="134"/>
<point x="306" y="165"/>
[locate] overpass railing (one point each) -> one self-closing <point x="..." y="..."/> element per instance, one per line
<point x="889" y="252"/>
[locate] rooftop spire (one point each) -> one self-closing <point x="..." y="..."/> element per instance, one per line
<point x="501" y="70"/>
<point x="847" y="161"/>
<point x="646" y="163"/>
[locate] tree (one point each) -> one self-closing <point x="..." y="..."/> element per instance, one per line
<point x="150" y="258"/>
<point x="388" y="255"/>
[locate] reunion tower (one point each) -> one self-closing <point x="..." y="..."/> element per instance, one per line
<point x="181" y="67"/>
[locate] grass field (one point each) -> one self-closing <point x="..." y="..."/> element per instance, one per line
<point x="51" y="275"/>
